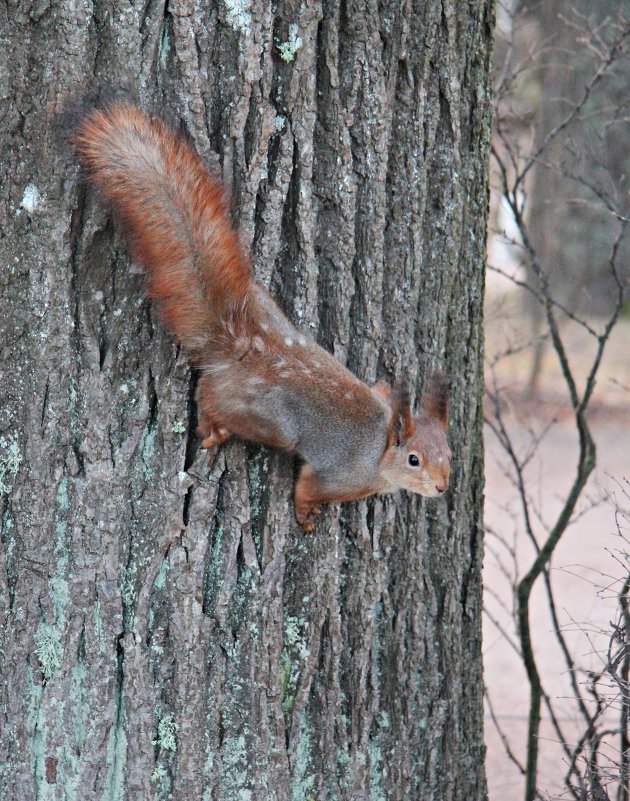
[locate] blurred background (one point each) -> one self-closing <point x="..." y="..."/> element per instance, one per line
<point x="557" y="624"/>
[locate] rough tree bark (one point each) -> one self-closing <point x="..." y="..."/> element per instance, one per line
<point x="167" y="631"/>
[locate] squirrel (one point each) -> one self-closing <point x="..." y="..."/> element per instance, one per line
<point x="259" y="378"/>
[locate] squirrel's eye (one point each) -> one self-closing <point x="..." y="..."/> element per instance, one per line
<point x="413" y="460"/>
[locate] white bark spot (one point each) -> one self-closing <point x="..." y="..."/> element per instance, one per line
<point x="31" y="199"/>
<point x="238" y="15"/>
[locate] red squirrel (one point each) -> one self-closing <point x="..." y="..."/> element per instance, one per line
<point x="260" y="378"/>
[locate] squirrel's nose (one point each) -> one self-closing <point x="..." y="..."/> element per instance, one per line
<point x="441" y="486"/>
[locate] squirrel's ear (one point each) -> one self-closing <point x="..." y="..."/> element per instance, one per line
<point x="402" y="425"/>
<point x="435" y="400"/>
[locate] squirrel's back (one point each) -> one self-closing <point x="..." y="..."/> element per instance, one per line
<point x="175" y="215"/>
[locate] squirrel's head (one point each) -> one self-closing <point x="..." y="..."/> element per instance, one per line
<point x="417" y="457"/>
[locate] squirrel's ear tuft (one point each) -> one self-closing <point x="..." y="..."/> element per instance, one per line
<point x="402" y="424"/>
<point x="435" y="399"/>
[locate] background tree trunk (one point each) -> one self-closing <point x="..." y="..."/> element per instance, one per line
<point x="167" y="629"/>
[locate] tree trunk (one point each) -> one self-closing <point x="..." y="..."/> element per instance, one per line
<point x="167" y="629"/>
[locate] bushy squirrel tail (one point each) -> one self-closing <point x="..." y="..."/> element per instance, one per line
<point x="175" y="215"/>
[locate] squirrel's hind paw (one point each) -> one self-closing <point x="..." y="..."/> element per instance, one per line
<point x="306" y="517"/>
<point x="216" y="437"/>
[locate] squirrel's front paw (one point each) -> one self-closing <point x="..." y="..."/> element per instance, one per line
<point x="306" y="515"/>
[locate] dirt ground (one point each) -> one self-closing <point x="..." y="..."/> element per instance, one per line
<point x="589" y="560"/>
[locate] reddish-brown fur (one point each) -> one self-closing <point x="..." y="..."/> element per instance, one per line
<point x="175" y="215"/>
<point x="260" y="378"/>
